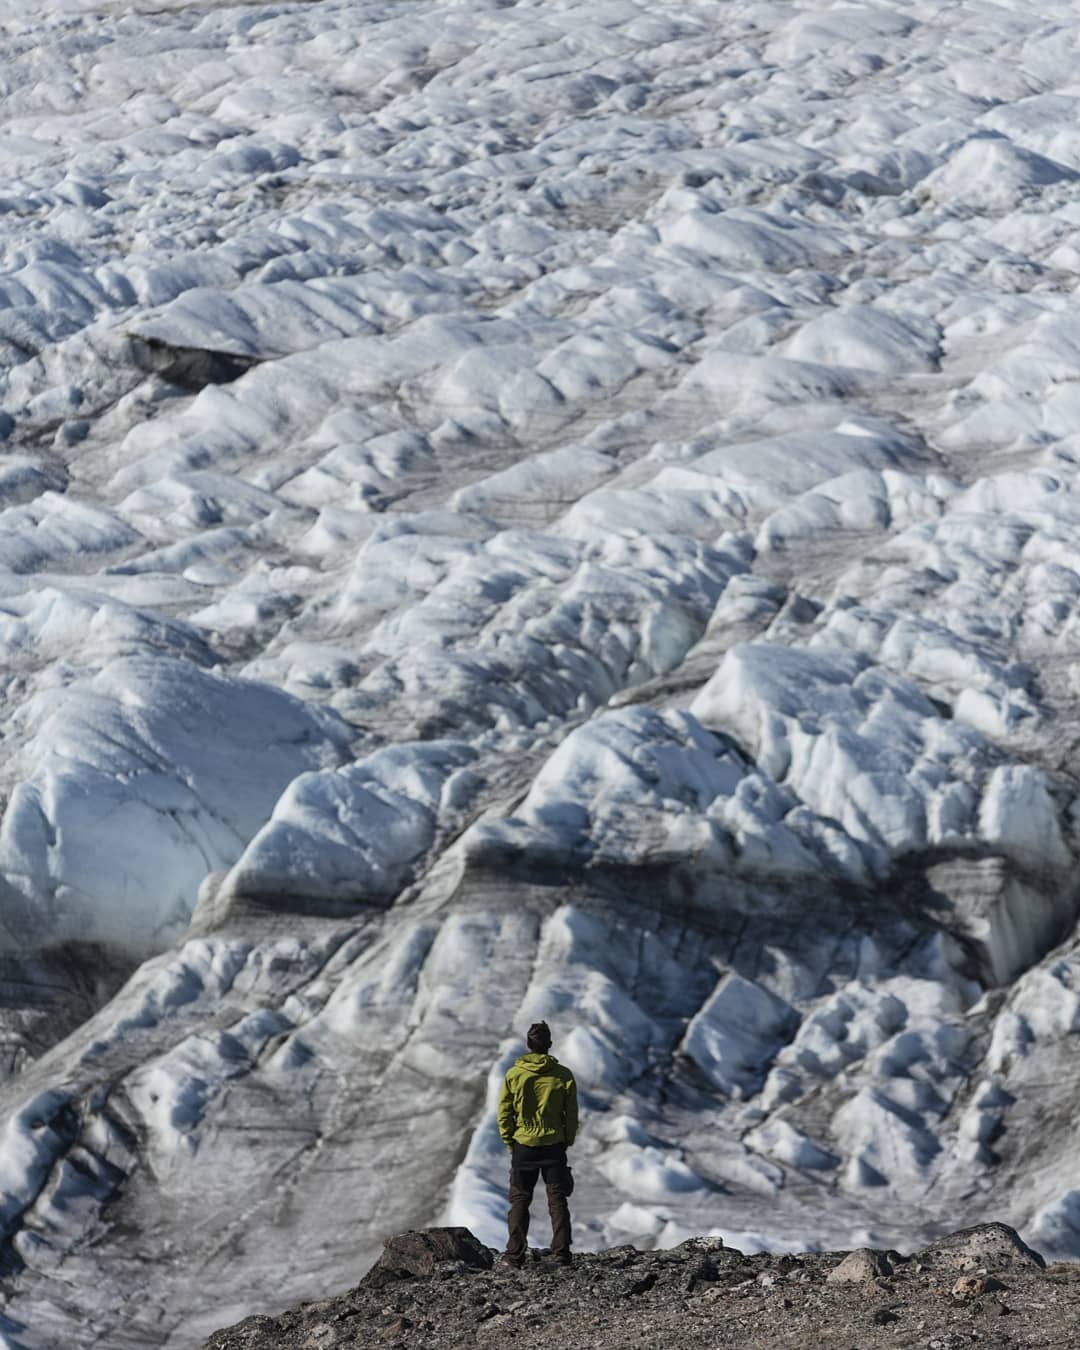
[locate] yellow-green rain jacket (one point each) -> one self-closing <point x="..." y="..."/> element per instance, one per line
<point x="538" y="1103"/>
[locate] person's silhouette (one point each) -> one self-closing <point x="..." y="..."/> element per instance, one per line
<point x="538" y="1119"/>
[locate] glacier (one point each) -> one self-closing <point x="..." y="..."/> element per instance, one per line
<point x="527" y="511"/>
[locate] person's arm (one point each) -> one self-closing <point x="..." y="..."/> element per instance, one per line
<point x="507" y="1116"/>
<point x="570" y="1113"/>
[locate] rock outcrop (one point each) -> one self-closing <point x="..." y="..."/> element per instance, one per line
<point x="421" y="1253"/>
<point x="440" y="1289"/>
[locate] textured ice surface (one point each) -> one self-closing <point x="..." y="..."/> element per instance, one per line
<point x="133" y="785"/>
<point x="351" y="834"/>
<point x="520" y="512"/>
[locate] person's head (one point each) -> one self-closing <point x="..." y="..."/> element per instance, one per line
<point x="539" y="1038"/>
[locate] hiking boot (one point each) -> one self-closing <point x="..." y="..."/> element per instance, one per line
<point x="508" y="1262"/>
<point x="558" y="1259"/>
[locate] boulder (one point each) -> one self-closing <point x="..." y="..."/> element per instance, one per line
<point x="418" y="1252"/>
<point x="968" y="1287"/>
<point x="702" y="1246"/>
<point x="860" y="1266"/>
<point x="984" y="1248"/>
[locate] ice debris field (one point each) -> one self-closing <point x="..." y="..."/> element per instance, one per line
<point x="515" y="510"/>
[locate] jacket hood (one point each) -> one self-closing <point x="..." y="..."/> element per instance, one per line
<point x="534" y="1062"/>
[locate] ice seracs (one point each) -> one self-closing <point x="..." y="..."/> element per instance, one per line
<point x="347" y="837"/>
<point x="134" y="784"/>
<point x="507" y="516"/>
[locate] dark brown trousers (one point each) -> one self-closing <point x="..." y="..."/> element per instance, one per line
<point x="522" y="1186"/>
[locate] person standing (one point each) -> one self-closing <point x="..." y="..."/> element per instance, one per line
<point x="538" y="1120"/>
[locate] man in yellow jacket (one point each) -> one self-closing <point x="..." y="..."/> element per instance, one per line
<point x="538" y="1119"/>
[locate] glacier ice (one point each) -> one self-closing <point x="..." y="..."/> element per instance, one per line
<point x="512" y="514"/>
<point x="133" y="784"/>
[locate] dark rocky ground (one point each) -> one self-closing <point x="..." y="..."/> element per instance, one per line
<point x="440" y="1288"/>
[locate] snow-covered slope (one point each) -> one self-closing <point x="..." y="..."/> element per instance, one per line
<point x="520" y="510"/>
